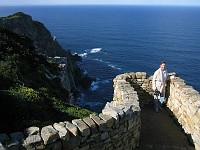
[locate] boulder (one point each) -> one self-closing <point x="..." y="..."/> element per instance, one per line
<point x="33" y="142"/>
<point x="31" y="131"/>
<point x="49" y="134"/>
<point x="62" y="131"/>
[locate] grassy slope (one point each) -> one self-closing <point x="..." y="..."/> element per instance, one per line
<point x="28" y="97"/>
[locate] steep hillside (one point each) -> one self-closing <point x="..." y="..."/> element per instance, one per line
<point x="42" y="39"/>
<point x="71" y="76"/>
<point x="30" y="89"/>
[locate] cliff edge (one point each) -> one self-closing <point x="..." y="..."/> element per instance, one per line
<point x="45" y="44"/>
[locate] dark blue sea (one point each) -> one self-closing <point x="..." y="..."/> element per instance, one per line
<point x="117" y="39"/>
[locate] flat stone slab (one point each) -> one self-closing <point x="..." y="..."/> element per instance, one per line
<point x="91" y="124"/>
<point x="84" y="129"/>
<point x="101" y="123"/>
<point x="108" y="119"/>
<point x="72" y="128"/>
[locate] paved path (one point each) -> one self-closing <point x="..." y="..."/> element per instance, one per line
<point x="160" y="132"/>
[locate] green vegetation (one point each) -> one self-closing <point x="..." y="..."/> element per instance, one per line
<point x="28" y="97"/>
<point x="16" y="15"/>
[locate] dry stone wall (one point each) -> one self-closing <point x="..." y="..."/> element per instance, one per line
<point x="184" y="102"/>
<point x="143" y="85"/>
<point x="117" y="127"/>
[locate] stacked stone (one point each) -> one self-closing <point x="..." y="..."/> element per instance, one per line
<point x="117" y="127"/>
<point x="142" y="84"/>
<point x="184" y="102"/>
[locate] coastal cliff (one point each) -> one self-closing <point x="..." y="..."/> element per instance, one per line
<point x="43" y="41"/>
<point x="47" y="45"/>
<point x="36" y="88"/>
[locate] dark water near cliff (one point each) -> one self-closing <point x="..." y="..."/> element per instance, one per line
<point x="126" y="38"/>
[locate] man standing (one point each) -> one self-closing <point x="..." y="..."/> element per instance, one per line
<point x="158" y="85"/>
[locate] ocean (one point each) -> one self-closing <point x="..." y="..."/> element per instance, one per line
<point x="118" y="39"/>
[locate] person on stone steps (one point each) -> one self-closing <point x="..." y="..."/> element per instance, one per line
<point x="158" y="85"/>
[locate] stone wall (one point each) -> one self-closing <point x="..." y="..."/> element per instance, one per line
<point x="117" y="127"/>
<point x="184" y="102"/>
<point x="143" y="85"/>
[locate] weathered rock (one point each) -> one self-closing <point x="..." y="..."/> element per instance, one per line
<point x="108" y="119"/>
<point x="31" y="131"/>
<point x="62" y="131"/>
<point x="33" y="142"/>
<point x="62" y="124"/>
<point x="91" y="124"/>
<point x="72" y="128"/>
<point x="49" y="134"/>
<point x="101" y="123"/>
<point x="112" y="113"/>
<point x="84" y="129"/>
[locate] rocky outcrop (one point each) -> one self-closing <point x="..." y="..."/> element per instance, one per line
<point x="71" y="75"/>
<point x="42" y="39"/>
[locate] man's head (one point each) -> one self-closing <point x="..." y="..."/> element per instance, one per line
<point x="163" y="65"/>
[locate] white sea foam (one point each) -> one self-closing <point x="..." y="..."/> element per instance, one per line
<point x="94" y="85"/>
<point x="110" y="65"/>
<point x="83" y="55"/>
<point x="114" y="67"/>
<point x="106" y="81"/>
<point x="95" y="50"/>
<point x="85" y="72"/>
<point x="100" y="60"/>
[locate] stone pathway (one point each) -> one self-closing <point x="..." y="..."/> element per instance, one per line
<point x="160" y="132"/>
